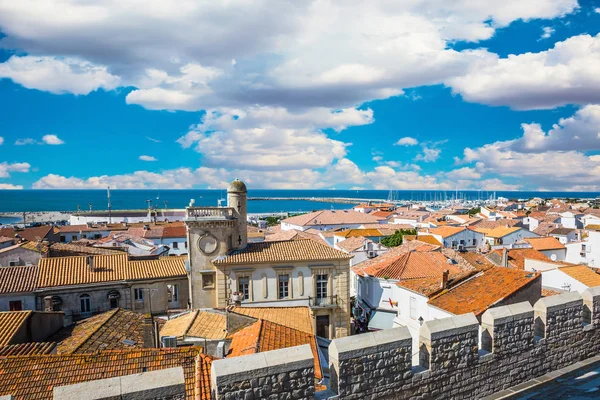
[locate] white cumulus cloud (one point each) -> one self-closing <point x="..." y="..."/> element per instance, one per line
<point x="52" y="139"/>
<point x="407" y="141"/>
<point x="57" y="75"/>
<point x="147" y="158"/>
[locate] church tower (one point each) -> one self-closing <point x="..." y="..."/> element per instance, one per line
<point x="214" y="232"/>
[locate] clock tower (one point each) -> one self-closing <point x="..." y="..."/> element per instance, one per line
<point x="214" y="232"/>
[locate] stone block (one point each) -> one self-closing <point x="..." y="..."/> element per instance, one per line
<point x="446" y="327"/>
<point x="591" y="305"/>
<point x="558" y="302"/>
<point x="229" y="371"/>
<point x="370" y="343"/>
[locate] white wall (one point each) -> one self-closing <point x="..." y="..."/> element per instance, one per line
<point x="465" y="236"/>
<point x="555" y="278"/>
<point x="555" y="254"/>
<point x="181" y="244"/>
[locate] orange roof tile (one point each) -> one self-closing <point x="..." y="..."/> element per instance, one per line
<point x="359" y="232"/>
<point x="392" y="255"/>
<point x="483" y="290"/>
<point x="32" y="234"/>
<point x="18" y="279"/>
<point x="34" y="377"/>
<point x="283" y="251"/>
<point x="331" y="217"/>
<point x="294" y="317"/>
<point x="413" y="265"/>
<point x="446" y="231"/>
<point x="582" y="274"/>
<point x="67" y="271"/>
<point x="201" y="324"/>
<point x="352" y="244"/>
<point x="10" y="323"/>
<point x="517" y="257"/>
<point x="105" y="331"/>
<point x="545" y="243"/>
<point x="27" y="349"/>
<point x="501" y="231"/>
<point x="266" y="336"/>
<point x="428" y="239"/>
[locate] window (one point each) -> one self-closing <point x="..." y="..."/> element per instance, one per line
<point x="62" y="239"/>
<point x="15" y="305"/>
<point x="474" y="242"/>
<point x="113" y="298"/>
<point x="173" y="292"/>
<point x="322" y="281"/>
<point x="208" y="281"/>
<point x="139" y="294"/>
<point x="185" y="244"/>
<point x="85" y="303"/>
<point x="284" y="286"/>
<point x="413" y="308"/>
<point x="56" y="303"/>
<point x="13" y="263"/>
<point x="84" y="236"/>
<point x="175" y="245"/>
<point x="244" y="287"/>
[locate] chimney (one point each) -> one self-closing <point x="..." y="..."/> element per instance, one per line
<point x="90" y="262"/>
<point x="148" y="333"/>
<point x="504" y="257"/>
<point x="445" y="279"/>
<point x="48" y="304"/>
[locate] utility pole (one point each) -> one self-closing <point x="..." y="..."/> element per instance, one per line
<point x="109" y="206"/>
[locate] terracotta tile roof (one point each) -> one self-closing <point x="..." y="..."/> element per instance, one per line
<point x="545" y="243"/>
<point x="32" y="234"/>
<point x="517" y="257"/>
<point x="429" y="239"/>
<point x="489" y="224"/>
<point x="18" y="279"/>
<point x="383" y="214"/>
<point x="561" y="231"/>
<point x="27" y="349"/>
<point x="73" y="249"/>
<point x="201" y="324"/>
<point x="501" y="231"/>
<point x="105" y="331"/>
<point x="412" y="265"/>
<point x="174" y="232"/>
<point x="582" y="274"/>
<point x="331" y="217"/>
<point x="352" y="244"/>
<point x="549" y="292"/>
<point x="266" y="336"/>
<point x="389" y="257"/>
<point x="34" y="377"/>
<point x="294" y="317"/>
<point x="6" y="239"/>
<point x="67" y="271"/>
<point x="360" y="232"/>
<point x="447" y="231"/>
<point x="544" y="228"/>
<point x="483" y="290"/>
<point x="36" y="246"/>
<point x="283" y="251"/>
<point x="10" y="323"/>
<point x="592" y="227"/>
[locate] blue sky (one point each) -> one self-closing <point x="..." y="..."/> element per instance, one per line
<point x="319" y="95"/>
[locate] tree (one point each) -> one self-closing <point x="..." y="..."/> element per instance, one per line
<point x="397" y="238"/>
<point x="474" y="211"/>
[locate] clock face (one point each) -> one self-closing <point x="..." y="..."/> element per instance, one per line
<point x="208" y="244"/>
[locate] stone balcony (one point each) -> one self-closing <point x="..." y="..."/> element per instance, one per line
<point x="209" y="214"/>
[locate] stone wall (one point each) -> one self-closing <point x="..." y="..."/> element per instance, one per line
<point x="279" y="374"/>
<point x="458" y="357"/>
<point x="518" y="342"/>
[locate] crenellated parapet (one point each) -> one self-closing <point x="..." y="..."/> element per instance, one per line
<point x="461" y="358"/>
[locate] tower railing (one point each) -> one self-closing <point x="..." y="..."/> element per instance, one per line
<point x="209" y="213"/>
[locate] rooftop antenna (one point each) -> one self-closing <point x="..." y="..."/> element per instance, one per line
<point x="109" y="206"/>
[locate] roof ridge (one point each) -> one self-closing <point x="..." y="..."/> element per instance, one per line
<point x="191" y="322"/>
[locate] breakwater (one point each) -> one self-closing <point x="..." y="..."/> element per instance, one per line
<point x="338" y="200"/>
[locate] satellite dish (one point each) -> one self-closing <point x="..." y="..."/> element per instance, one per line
<point x="553" y="257"/>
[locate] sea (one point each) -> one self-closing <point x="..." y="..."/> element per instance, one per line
<point x="73" y="200"/>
